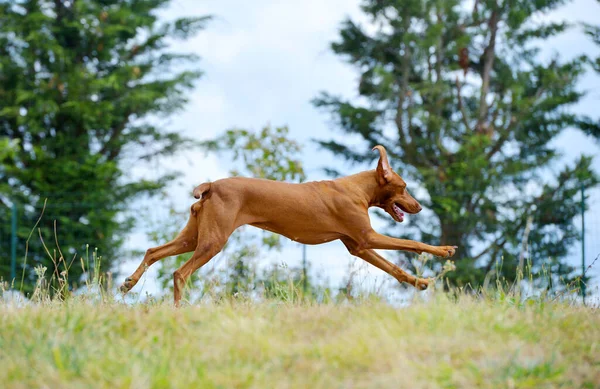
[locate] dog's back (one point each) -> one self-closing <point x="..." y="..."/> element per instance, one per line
<point x="305" y="212"/>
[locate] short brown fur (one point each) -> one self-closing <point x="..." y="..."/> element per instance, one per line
<point x="310" y="213"/>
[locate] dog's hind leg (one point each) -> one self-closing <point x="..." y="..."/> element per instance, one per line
<point x="218" y="221"/>
<point x="185" y="242"/>
<point x="205" y="251"/>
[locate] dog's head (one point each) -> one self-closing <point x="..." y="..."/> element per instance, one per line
<point x="392" y="195"/>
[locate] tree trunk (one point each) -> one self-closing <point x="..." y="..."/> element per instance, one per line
<point x="454" y="235"/>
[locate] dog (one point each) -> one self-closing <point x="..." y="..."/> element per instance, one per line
<point x="309" y="213"/>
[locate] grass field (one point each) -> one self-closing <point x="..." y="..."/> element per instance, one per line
<point x="434" y="344"/>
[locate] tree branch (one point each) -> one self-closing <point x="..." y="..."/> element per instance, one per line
<point x="488" y="62"/>
<point x="489" y="265"/>
<point x="501" y="141"/>
<point x="506" y="134"/>
<point x="497" y="243"/>
<point x="524" y="244"/>
<point x="405" y="71"/>
<point x="109" y="149"/>
<point x="500" y="245"/>
<point x="439" y="52"/>
<point x="461" y="106"/>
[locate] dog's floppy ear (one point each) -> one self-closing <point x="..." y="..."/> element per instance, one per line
<point x="201" y="190"/>
<point x="384" y="170"/>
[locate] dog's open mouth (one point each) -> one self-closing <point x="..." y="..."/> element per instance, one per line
<point x="398" y="212"/>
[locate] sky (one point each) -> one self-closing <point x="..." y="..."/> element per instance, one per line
<point x="263" y="62"/>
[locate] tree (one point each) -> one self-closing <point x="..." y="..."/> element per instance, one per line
<point x="269" y="154"/>
<point x="468" y="108"/>
<point x="8" y="150"/>
<point x="83" y="85"/>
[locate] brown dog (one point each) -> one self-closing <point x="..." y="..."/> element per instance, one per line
<point x="309" y="213"/>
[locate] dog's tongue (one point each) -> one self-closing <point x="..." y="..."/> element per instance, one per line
<point x="398" y="212"/>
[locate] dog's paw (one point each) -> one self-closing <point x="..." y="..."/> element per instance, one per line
<point x="422" y="283"/>
<point x="445" y="251"/>
<point x="127" y="285"/>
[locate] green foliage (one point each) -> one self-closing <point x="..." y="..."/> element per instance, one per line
<point x="8" y="151"/>
<point x="8" y="148"/>
<point x="293" y="285"/>
<point x="79" y="81"/>
<point x="268" y="154"/>
<point x="468" y="110"/>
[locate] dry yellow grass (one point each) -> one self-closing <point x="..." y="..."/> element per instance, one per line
<point x="439" y="344"/>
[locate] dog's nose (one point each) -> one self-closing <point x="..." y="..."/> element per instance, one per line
<point x="419" y="208"/>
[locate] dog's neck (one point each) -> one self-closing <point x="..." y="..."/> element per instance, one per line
<point x="366" y="184"/>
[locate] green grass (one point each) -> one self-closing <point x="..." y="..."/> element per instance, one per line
<point x="436" y="344"/>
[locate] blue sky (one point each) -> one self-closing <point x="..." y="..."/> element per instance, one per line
<point x="264" y="61"/>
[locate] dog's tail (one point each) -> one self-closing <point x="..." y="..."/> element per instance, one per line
<point x="201" y="190"/>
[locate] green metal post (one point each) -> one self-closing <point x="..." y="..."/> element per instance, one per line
<point x="13" y="245"/>
<point x="304" y="269"/>
<point x="583" y="242"/>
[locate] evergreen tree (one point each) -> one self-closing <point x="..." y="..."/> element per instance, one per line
<point x="467" y="109"/>
<point x="79" y="82"/>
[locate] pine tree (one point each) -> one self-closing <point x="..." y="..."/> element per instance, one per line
<point x="79" y="82"/>
<point x="468" y="109"/>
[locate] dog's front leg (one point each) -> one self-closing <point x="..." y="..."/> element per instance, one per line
<point x="375" y="240"/>
<point x="378" y="261"/>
